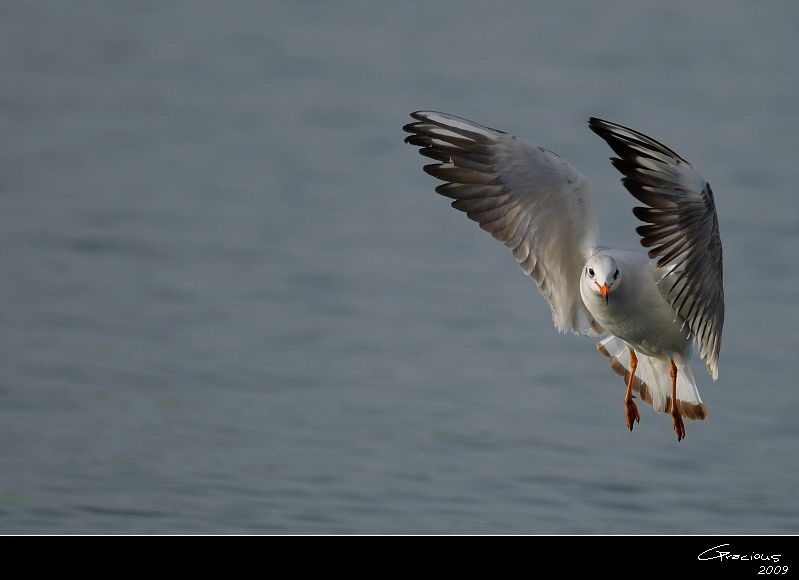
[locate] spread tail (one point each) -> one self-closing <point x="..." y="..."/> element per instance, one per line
<point x="652" y="382"/>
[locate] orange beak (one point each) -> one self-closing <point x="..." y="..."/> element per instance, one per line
<point x="603" y="291"/>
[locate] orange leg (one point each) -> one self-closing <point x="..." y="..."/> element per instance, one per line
<point x="632" y="410"/>
<point x="679" y="427"/>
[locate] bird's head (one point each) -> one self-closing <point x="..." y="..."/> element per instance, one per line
<point x="602" y="275"/>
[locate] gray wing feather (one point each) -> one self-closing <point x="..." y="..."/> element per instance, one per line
<point x="682" y="231"/>
<point x="524" y="196"/>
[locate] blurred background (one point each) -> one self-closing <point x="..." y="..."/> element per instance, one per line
<point x="232" y="303"/>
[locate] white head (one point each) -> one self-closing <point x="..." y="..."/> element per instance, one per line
<point x="601" y="275"/>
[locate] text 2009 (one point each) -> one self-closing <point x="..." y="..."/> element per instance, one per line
<point x="773" y="570"/>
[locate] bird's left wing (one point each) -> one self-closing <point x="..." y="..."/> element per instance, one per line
<point x="682" y="230"/>
<point x="525" y="196"/>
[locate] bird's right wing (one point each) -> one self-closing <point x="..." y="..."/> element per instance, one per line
<point x="525" y="196"/>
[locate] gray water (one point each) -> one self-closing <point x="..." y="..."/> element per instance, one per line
<point x="231" y="302"/>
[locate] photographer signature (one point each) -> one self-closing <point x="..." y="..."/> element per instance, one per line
<point x="716" y="553"/>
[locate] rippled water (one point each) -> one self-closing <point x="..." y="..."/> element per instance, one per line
<point x="232" y="303"/>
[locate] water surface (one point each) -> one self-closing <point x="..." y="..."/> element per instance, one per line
<point x="231" y="302"/>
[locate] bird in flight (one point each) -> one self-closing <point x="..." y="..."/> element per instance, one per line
<point x="653" y="310"/>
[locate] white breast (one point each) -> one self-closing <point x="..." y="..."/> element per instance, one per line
<point x="636" y="311"/>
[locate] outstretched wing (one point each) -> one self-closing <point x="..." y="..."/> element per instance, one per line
<point x="526" y="197"/>
<point x="683" y="231"/>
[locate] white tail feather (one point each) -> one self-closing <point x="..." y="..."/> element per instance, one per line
<point x="652" y="379"/>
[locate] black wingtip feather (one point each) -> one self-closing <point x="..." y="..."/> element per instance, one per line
<point x="610" y="132"/>
<point x="411" y="127"/>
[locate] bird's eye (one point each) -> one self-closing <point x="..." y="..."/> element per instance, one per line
<point x="591" y="272"/>
<point x="616" y="274"/>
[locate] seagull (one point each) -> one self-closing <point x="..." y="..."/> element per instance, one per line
<point x="656" y="308"/>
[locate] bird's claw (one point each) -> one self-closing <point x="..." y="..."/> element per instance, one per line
<point x="632" y="413"/>
<point x="679" y="426"/>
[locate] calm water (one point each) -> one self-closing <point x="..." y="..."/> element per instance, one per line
<point x="230" y="301"/>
